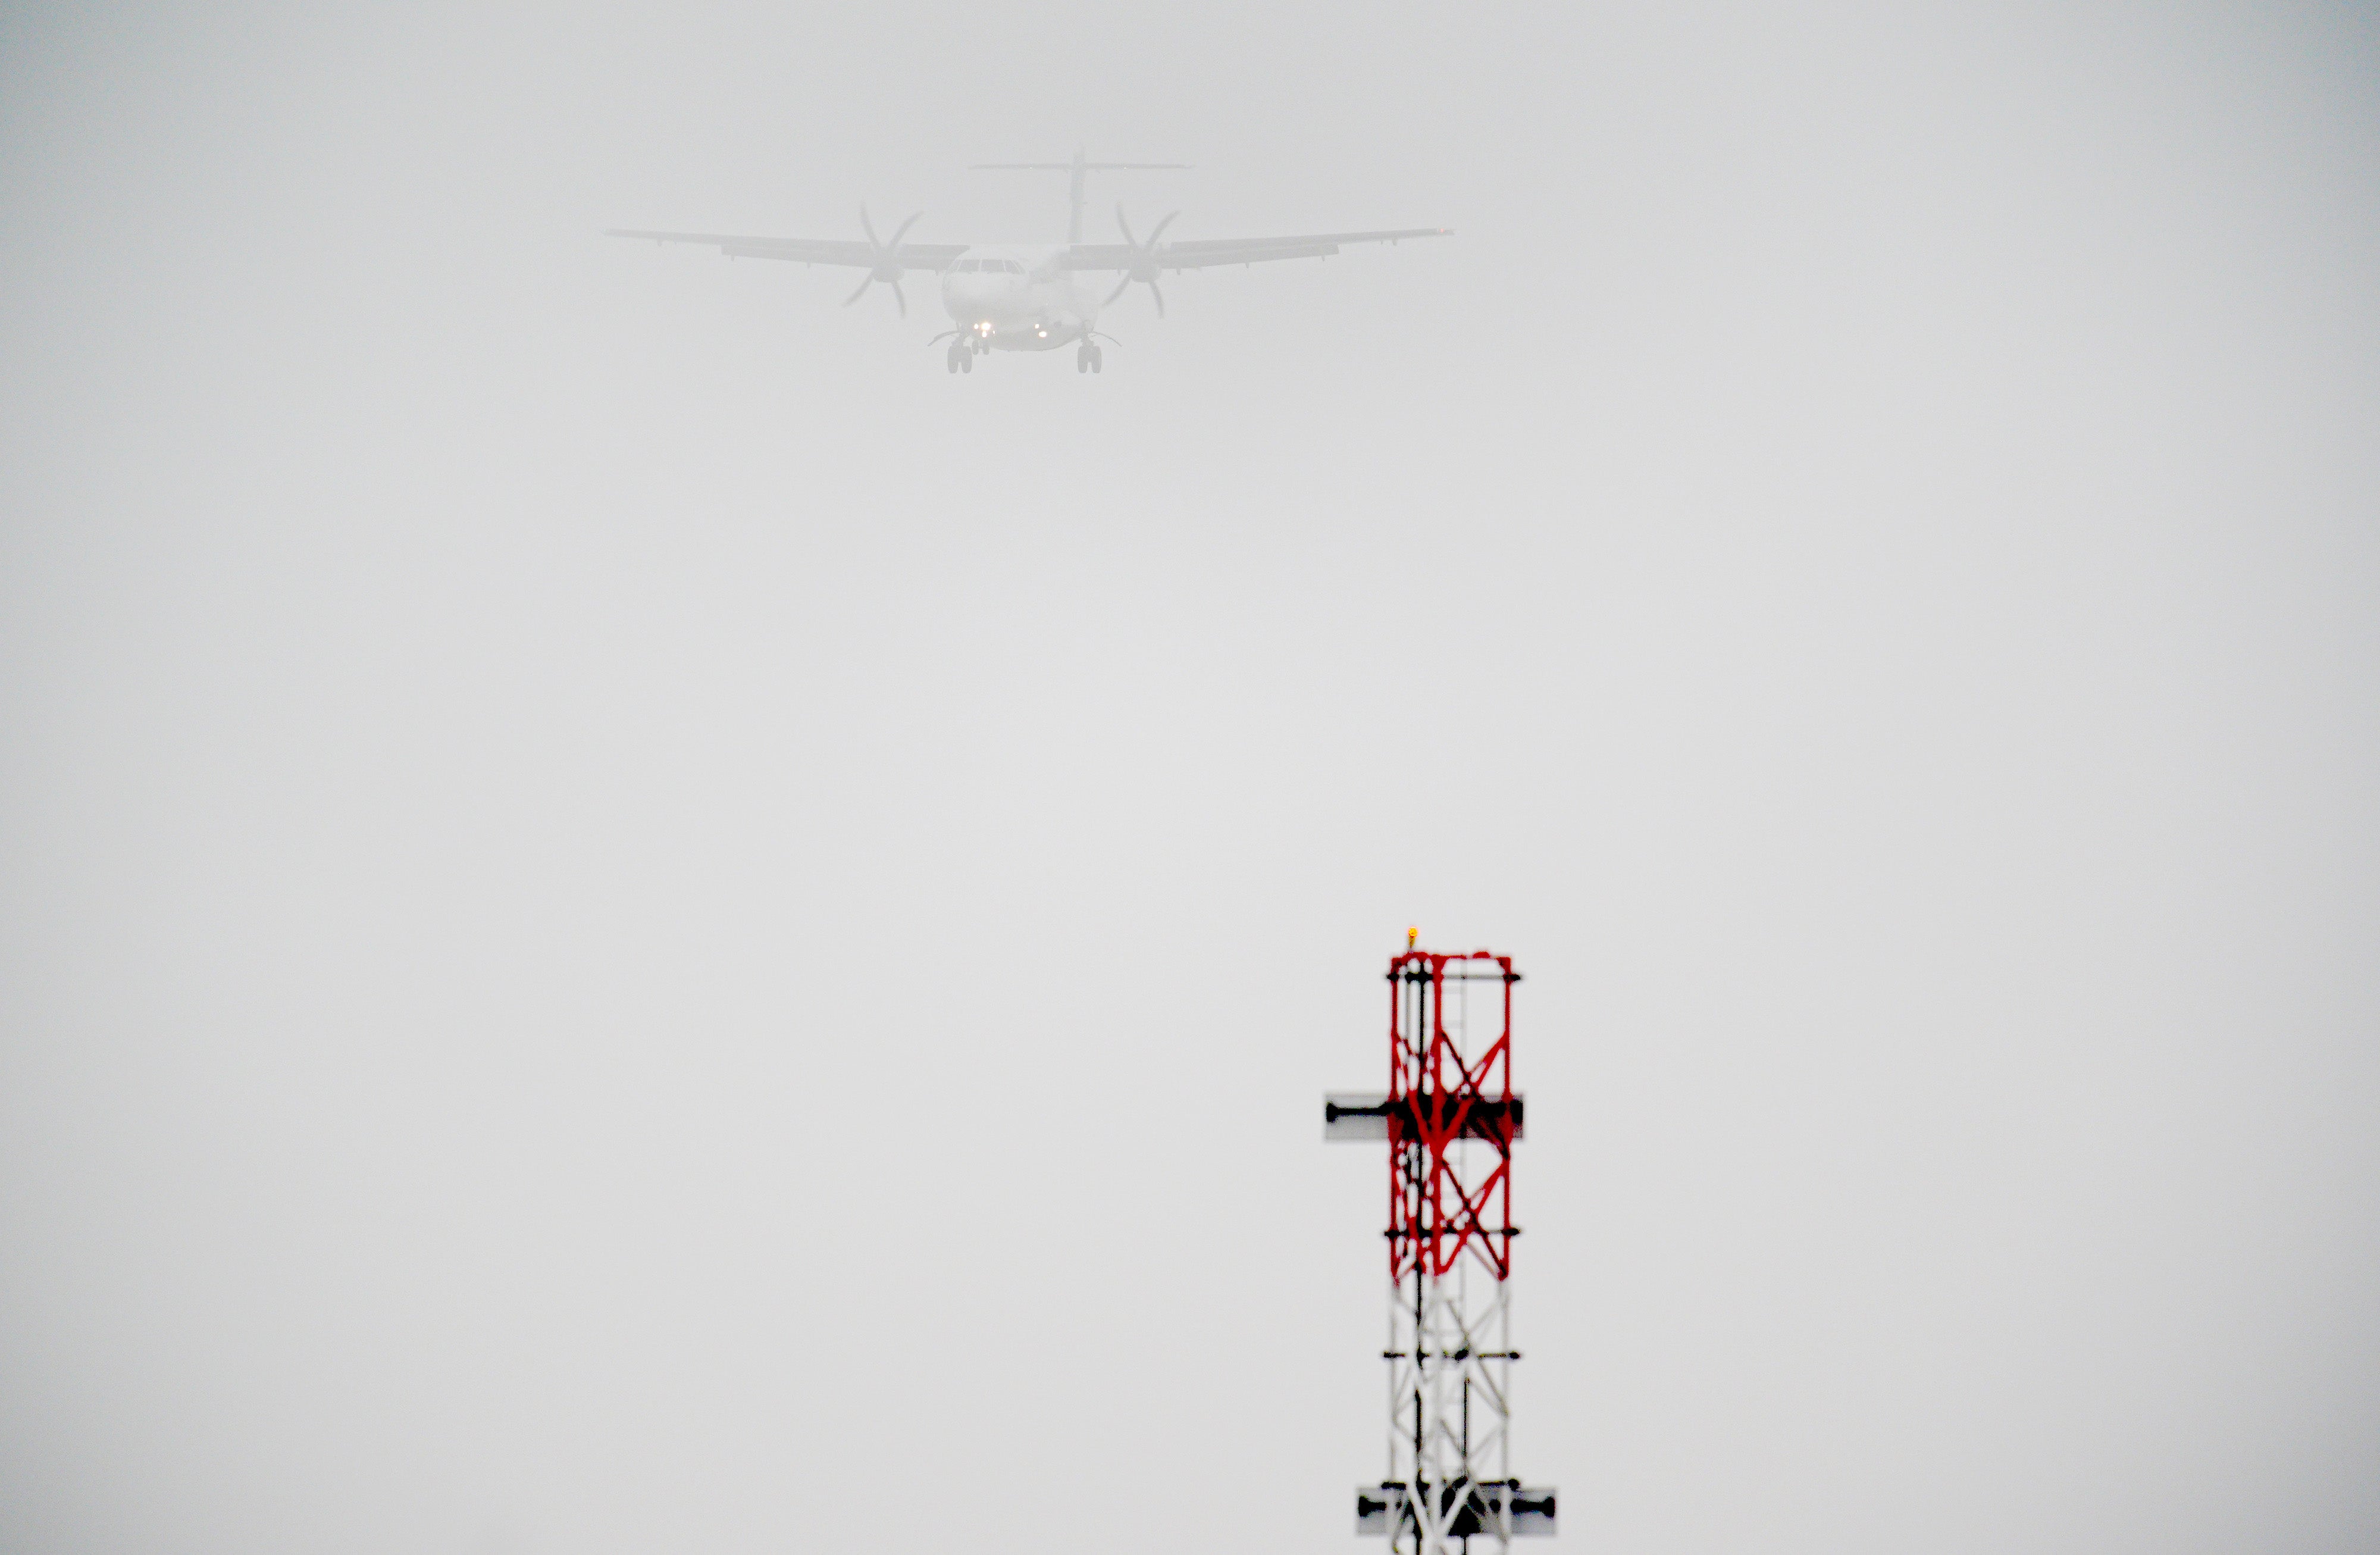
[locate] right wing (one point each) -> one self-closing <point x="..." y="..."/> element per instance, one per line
<point x="811" y="250"/>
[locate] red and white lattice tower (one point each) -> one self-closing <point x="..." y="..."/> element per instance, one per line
<point x="1450" y="1118"/>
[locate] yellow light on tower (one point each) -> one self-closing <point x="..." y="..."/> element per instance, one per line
<point x="1413" y="937"/>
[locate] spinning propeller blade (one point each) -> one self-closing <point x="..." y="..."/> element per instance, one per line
<point x="1145" y="266"/>
<point x="886" y="258"/>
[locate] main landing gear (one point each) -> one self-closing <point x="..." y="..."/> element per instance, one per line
<point x="962" y="357"/>
<point x="1088" y="358"/>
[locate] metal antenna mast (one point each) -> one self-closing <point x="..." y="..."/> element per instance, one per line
<point x="1078" y="167"/>
<point x="1450" y="1118"/>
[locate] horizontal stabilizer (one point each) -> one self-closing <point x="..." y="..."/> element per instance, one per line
<point x="1071" y="166"/>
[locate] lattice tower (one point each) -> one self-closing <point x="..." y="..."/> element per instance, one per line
<point x="1450" y="1117"/>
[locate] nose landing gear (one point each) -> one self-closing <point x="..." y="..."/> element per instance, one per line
<point x="1088" y="358"/>
<point x="960" y="358"/>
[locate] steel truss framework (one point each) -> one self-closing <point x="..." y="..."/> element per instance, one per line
<point x="1450" y="1117"/>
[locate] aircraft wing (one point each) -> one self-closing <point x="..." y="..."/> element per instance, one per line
<point x="809" y="251"/>
<point x="1206" y="252"/>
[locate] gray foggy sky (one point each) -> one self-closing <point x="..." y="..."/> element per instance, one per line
<point x="632" y="921"/>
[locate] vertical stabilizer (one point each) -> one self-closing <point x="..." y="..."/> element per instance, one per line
<point x="1075" y="184"/>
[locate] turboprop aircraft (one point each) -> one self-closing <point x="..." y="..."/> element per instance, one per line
<point x="1008" y="298"/>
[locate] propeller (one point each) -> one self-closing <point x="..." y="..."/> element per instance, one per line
<point x="887" y="258"/>
<point x="1145" y="266"/>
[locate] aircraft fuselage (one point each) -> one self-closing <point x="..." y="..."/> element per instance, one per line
<point x="1015" y="299"/>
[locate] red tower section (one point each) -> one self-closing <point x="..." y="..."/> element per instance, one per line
<point x="1443" y="1100"/>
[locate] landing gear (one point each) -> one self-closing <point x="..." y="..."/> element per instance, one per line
<point x="1088" y="358"/>
<point x="960" y="358"/>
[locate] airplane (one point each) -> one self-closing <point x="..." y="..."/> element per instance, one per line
<point x="1002" y="298"/>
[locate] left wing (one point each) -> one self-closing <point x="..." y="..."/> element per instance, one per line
<point x="1206" y="252"/>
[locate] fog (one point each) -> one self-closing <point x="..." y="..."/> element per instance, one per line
<point x="632" y="919"/>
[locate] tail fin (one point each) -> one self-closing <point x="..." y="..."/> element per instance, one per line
<point x="1078" y="167"/>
